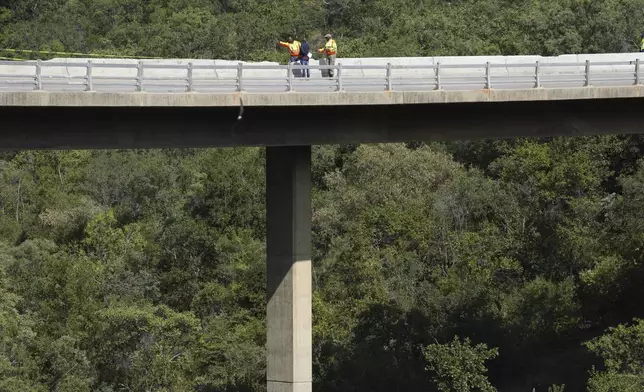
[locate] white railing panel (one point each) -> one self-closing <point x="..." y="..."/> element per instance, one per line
<point x="350" y="74"/>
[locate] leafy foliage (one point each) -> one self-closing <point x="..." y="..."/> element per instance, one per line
<point x="145" y="269"/>
<point x="248" y="29"/>
<point x="622" y="349"/>
<point x="459" y="367"/>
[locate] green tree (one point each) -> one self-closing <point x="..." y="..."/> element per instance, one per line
<point x="459" y="367"/>
<point x="144" y="347"/>
<point x="622" y="350"/>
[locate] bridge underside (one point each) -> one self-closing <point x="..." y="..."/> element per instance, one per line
<point x="172" y="127"/>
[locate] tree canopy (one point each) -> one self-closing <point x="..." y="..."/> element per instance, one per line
<point x="247" y="29"/>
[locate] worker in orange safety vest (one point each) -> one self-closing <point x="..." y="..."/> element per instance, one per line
<point x="294" y="47"/>
<point x="330" y="51"/>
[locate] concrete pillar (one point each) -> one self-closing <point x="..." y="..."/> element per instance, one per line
<point x="289" y="319"/>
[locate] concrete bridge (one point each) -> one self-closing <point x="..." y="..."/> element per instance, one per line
<point x="182" y="103"/>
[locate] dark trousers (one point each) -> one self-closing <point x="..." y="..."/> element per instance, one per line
<point x="295" y="60"/>
<point x="306" y="71"/>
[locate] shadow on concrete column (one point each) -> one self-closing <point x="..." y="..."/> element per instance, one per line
<point x="288" y="214"/>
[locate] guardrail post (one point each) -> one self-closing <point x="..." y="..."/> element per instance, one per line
<point x="438" y="76"/>
<point x="340" y="77"/>
<point x="139" y="76"/>
<point x="587" y="73"/>
<point x="389" y="84"/>
<point x="88" y="77"/>
<point x="191" y="87"/>
<point x="240" y="72"/>
<point x="289" y="77"/>
<point x="38" y="75"/>
<point x="537" y="75"/>
<point x="488" y="76"/>
<point x="637" y="72"/>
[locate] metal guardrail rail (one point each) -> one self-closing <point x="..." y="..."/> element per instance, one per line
<point x="387" y="77"/>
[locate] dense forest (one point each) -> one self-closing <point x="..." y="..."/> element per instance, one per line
<point x="449" y="267"/>
<point x="248" y="29"/>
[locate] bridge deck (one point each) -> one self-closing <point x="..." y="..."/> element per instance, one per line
<point x="208" y="83"/>
<point x="144" y="99"/>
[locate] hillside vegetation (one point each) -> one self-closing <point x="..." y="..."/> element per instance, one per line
<point x="248" y="29"/>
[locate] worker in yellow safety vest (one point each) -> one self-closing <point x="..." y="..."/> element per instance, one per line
<point x="642" y="43"/>
<point x="330" y="50"/>
<point x="294" y="47"/>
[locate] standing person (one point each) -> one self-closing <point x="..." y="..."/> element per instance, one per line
<point x="642" y="43"/>
<point x="293" y="47"/>
<point x="304" y="58"/>
<point x="330" y="50"/>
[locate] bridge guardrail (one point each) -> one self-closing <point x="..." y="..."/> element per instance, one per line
<point x="141" y="77"/>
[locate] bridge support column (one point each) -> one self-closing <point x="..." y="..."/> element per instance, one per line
<point x="289" y="316"/>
